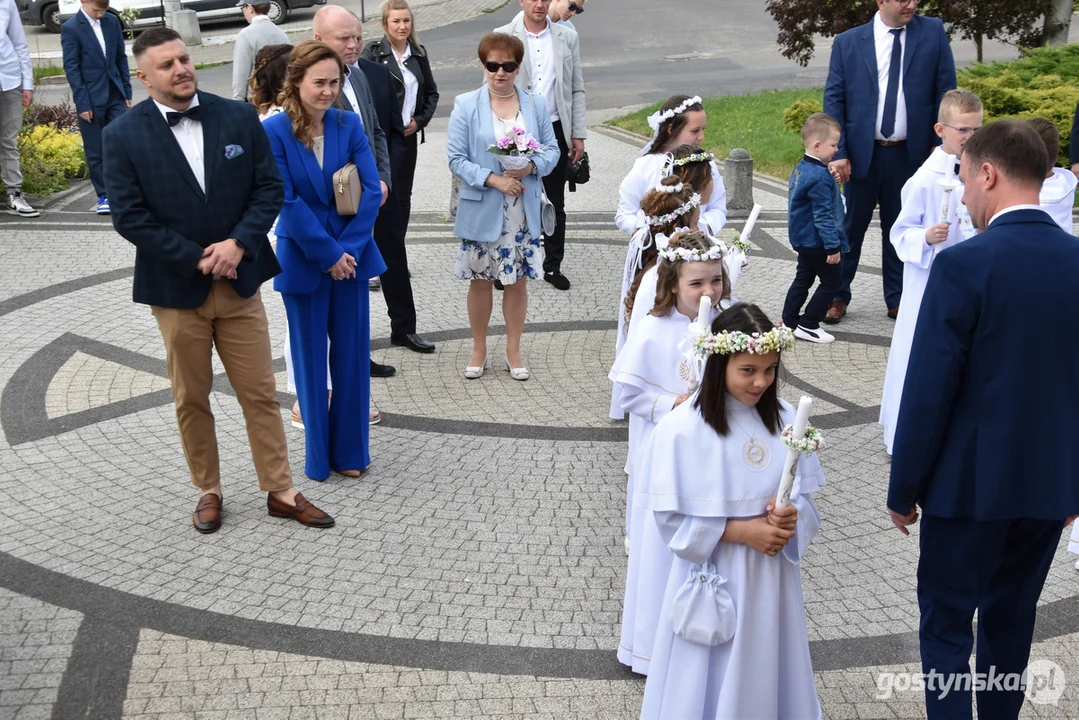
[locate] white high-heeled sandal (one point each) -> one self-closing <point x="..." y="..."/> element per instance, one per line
<point x="520" y="373"/>
<point x="475" y="372"/>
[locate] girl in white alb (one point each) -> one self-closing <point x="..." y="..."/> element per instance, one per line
<point x="653" y="378"/>
<point x="732" y="640"/>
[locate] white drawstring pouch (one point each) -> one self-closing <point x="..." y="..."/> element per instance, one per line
<point x="702" y="611"/>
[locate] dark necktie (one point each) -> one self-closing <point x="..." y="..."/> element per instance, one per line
<point x="891" y="95"/>
<point x="194" y="113"/>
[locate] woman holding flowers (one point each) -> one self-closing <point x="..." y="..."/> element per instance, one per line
<point x="500" y="144"/>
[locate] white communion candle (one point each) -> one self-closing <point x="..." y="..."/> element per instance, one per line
<point x="948" y="184"/>
<point x="704" y="313"/>
<point x="786" y="482"/>
<point x="748" y="229"/>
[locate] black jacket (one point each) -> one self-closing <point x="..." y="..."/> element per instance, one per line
<point x="386" y="109"/>
<point x="426" y="95"/>
<point x="158" y="206"/>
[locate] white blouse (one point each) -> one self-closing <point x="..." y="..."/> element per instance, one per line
<point x="412" y="85"/>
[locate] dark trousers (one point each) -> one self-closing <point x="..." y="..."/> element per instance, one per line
<point x="997" y="569"/>
<point x="554" y="184"/>
<point x="812" y="264"/>
<point x="396" y="281"/>
<point x="403" y="178"/>
<point x="337" y="432"/>
<point x="91" y="138"/>
<point x="890" y="169"/>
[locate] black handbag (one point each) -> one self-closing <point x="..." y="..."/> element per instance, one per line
<point x="579" y="172"/>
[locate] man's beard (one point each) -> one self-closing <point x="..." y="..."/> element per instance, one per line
<point x="182" y="97"/>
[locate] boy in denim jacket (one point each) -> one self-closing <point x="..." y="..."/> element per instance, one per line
<point x="816" y="230"/>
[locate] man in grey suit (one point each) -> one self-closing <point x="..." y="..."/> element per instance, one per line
<point x="260" y="33"/>
<point x="335" y="26"/>
<point x="552" y="69"/>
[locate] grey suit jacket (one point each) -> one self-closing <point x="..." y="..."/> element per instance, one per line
<point x="249" y="41"/>
<point x="376" y="137"/>
<point x="569" y="85"/>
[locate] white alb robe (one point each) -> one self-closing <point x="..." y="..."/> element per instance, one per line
<point x="696" y="481"/>
<point x="1057" y="197"/>
<point x="1073" y="543"/>
<point x="648" y="374"/>
<point x="645" y="174"/>
<point x="921" y="197"/>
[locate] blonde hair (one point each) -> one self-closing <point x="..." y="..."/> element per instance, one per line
<point x="958" y="102"/>
<point x="305" y="55"/>
<point x="391" y="5"/>
<point x="667" y="271"/>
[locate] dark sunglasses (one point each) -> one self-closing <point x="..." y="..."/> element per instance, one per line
<point x="575" y="8"/>
<point x="509" y="67"/>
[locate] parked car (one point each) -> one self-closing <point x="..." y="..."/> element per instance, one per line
<point x="152" y="12"/>
<point x="41" y="12"/>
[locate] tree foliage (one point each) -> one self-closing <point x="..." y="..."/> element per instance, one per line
<point x="1012" y="21"/>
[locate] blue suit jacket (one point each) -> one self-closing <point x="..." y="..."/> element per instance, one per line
<point x="471" y="132"/>
<point x="852" y="90"/>
<point x="986" y="427"/>
<point x="158" y="206"/>
<point x="311" y="235"/>
<point x="89" y="72"/>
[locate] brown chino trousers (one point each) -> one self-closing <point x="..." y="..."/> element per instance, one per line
<point x="239" y="330"/>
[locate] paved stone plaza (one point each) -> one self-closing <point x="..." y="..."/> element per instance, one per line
<point x="476" y="571"/>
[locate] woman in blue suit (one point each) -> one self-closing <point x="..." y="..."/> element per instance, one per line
<point x="498" y="214"/>
<point x="325" y="258"/>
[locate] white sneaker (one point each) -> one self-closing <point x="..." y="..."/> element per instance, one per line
<point x="813" y="336"/>
<point x="17" y="205"/>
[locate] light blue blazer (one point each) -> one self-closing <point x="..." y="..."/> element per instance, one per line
<point x="471" y="132"/>
<point x="311" y="235"/>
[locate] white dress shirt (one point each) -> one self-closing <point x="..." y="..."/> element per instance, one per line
<point x="96" y="25"/>
<point x="350" y="92"/>
<point x="188" y="134"/>
<point x="542" y="64"/>
<point x="1013" y="208"/>
<point x="412" y="85"/>
<point x="15" y="69"/>
<point x="883" y="40"/>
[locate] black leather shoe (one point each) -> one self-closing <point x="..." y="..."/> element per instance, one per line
<point x="382" y="371"/>
<point x="413" y="342"/>
<point x="557" y="279"/>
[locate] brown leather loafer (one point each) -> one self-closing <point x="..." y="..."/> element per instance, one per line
<point x="302" y="512"/>
<point x="835" y="313"/>
<point x="893" y="313"/>
<point x="207" y="517"/>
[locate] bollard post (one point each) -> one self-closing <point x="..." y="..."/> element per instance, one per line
<point x="738" y="181"/>
<point x="185" y="22"/>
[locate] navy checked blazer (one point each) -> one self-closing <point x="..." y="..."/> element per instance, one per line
<point x="158" y="206"/>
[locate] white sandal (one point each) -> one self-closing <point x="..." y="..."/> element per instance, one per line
<point x="520" y="373"/>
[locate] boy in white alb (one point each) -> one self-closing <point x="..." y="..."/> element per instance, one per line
<point x="1058" y="190"/>
<point x="919" y="234"/>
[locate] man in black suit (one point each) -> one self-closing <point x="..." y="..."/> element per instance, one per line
<point x="341" y="30"/>
<point x="193" y="185"/>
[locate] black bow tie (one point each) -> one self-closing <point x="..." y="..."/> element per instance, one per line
<point x="194" y="113"/>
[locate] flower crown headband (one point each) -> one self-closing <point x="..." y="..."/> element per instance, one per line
<point x="672" y="162"/>
<point x="669" y="189"/>
<point x="681" y="254"/>
<point x="656" y="119"/>
<point x="779" y="338"/>
<point x="694" y="201"/>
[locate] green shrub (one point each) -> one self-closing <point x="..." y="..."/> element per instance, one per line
<point x="1062" y="60"/>
<point x="50" y="149"/>
<point x="795" y="116"/>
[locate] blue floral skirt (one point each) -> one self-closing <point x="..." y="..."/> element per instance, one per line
<point x="516" y="254"/>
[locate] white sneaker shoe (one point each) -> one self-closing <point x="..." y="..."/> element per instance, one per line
<point x="17" y="205"/>
<point x="813" y="336"/>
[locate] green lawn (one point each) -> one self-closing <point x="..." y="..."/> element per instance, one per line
<point x="47" y="71"/>
<point x="753" y="122"/>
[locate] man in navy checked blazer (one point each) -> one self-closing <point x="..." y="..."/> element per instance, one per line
<point x="195" y="188"/>
<point x="95" y="63"/>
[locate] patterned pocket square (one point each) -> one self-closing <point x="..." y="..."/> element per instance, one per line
<point x="233" y="151"/>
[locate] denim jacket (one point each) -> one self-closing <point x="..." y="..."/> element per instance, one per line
<point x="815" y="209"/>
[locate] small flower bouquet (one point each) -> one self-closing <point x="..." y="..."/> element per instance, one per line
<point x="515" y="151"/>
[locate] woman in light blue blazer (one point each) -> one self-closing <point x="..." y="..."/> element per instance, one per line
<point x="498" y="214"/>
<point x="326" y="258"/>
